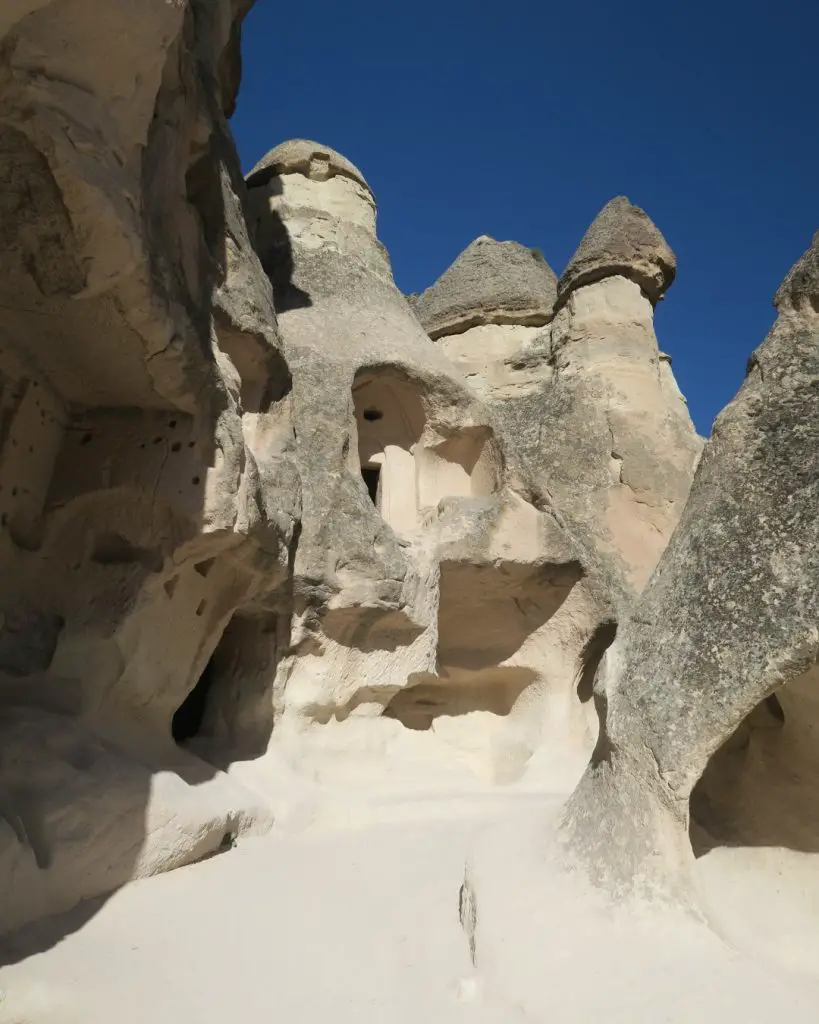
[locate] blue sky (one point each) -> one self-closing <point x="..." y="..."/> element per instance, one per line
<point x="520" y="119"/>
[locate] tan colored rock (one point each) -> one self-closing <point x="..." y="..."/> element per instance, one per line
<point x="727" y="625"/>
<point x="276" y="561"/>
<point x="623" y="450"/>
<point x="144" y="431"/>
<point x="310" y="159"/>
<point x="591" y="409"/>
<point x="389" y="585"/>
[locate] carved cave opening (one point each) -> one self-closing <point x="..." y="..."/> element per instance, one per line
<point x="389" y="421"/>
<point x="188" y="718"/>
<point x="486" y="616"/>
<point x="372" y="478"/>
<point x="759" y="788"/>
<point x="228" y="714"/>
<point x="404" y="473"/>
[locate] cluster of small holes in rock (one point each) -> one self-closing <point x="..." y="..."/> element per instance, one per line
<point x="176" y="446"/>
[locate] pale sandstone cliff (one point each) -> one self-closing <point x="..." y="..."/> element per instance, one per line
<point x="442" y="616"/>
<point x="588" y="399"/>
<point x="718" y="658"/>
<point x="145" y="428"/>
<point x="280" y="546"/>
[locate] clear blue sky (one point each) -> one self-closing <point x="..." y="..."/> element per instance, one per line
<point x="519" y="119"/>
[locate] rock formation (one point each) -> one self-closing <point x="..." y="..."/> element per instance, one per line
<point x="281" y="547"/>
<point x="489" y="283"/>
<point x="442" y="605"/>
<point x="727" y="625"/>
<point x="588" y="399"/>
<point x="621" y="242"/>
<point x="145" y="428"/>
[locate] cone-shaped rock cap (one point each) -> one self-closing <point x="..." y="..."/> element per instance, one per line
<point x="490" y="282"/>
<point x="622" y="240"/>
<point x="300" y="156"/>
<point x="800" y="289"/>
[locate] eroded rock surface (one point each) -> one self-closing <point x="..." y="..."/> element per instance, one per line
<point x="589" y="403"/>
<point x="622" y="241"/>
<point x="490" y="282"/>
<point x="729" y="616"/>
<point x="415" y="539"/>
<point x="145" y="426"/>
<point x="281" y="547"/>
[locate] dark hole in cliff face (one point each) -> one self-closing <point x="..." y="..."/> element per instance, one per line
<point x="759" y="788"/>
<point x="228" y="715"/>
<point x="372" y="476"/>
<point x="189" y="716"/>
<point x="596" y="647"/>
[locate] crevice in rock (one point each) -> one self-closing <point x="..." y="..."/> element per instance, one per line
<point x="596" y="646"/>
<point x="468" y="913"/>
<point x="113" y="549"/>
<point x="371" y="476"/>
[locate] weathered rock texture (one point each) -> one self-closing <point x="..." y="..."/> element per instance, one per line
<point x="589" y="403"/>
<point x="277" y="543"/>
<point x="441" y="615"/>
<point x="490" y="282"/>
<point x="729" y="617"/>
<point x="621" y="242"/>
<point x="145" y="427"/>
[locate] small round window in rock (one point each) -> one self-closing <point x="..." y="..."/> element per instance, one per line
<point x="373" y="415"/>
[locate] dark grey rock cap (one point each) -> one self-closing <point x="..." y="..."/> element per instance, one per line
<point x="301" y="156"/>
<point x="490" y="282"/>
<point x="622" y="240"/>
<point x="800" y="289"/>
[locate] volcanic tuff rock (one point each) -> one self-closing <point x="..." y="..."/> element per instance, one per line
<point x="622" y="241"/>
<point x="490" y="282"/>
<point x="145" y="430"/>
<point x="442" y="547"/>
<point x="304" y="157"/>
<point x="279" y="546"/>
<point x="800" y="289"/>
<point x="588" y="402"/>
<point x="728" y="619"/>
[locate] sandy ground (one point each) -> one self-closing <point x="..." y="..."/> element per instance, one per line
<point x="364" y="924"/>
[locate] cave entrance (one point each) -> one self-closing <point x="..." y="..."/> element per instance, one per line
<point x="407" y="468"/>
<point x="189" y="716"/>
<point x="759" y="788"/>
<point x="389" y="422"/>
<point x="372" y="478"/>
<point x="228" y="715"/>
